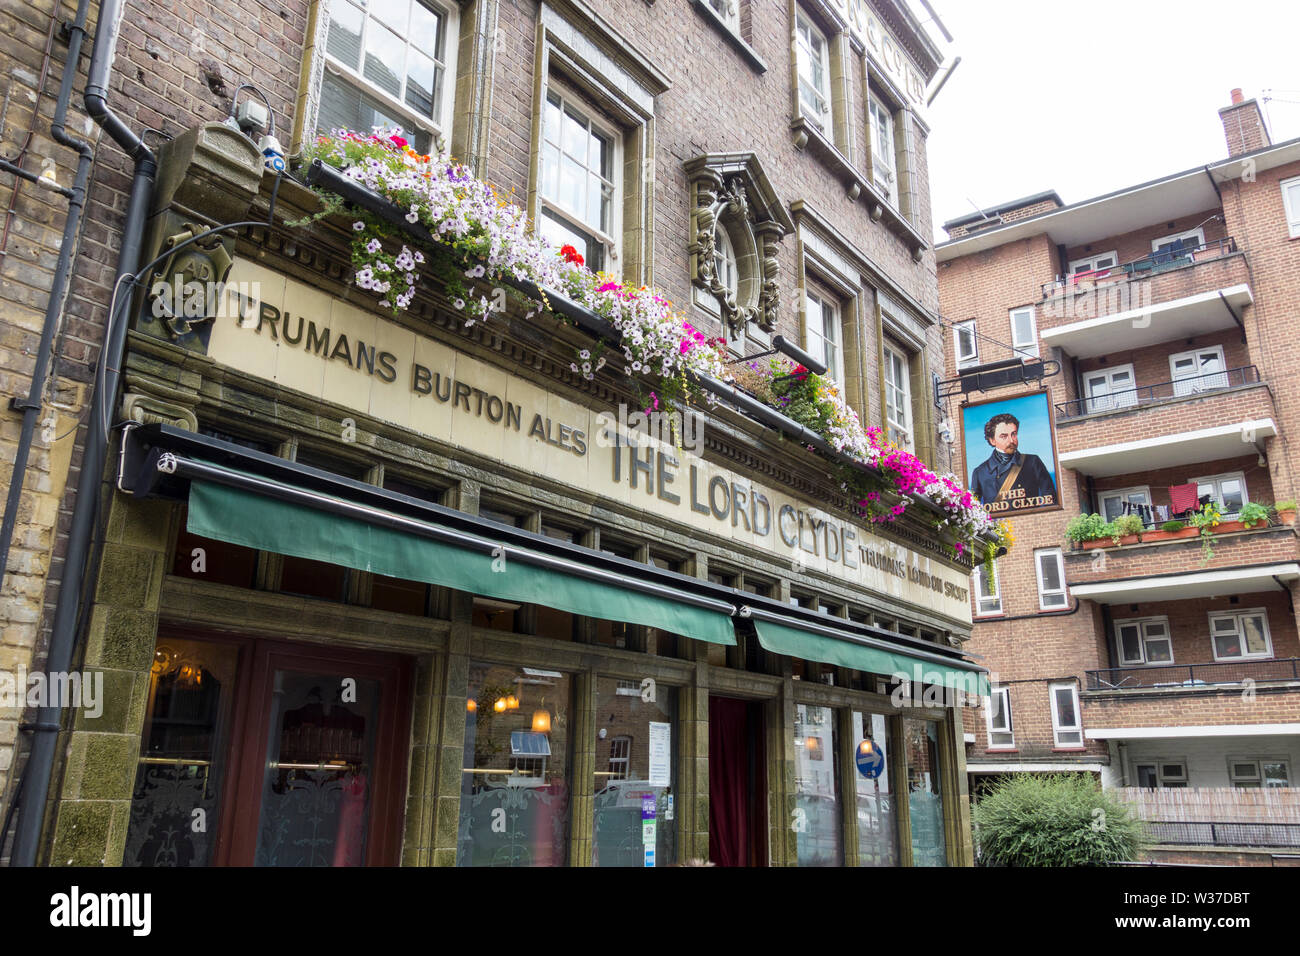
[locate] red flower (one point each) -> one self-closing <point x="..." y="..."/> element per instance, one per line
<point x="800" y="372"/>
<point x="398" y="142"/>
<point x="571" y="254"/>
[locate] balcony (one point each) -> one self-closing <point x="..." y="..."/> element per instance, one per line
<point x="1218" y="816"/>
<point x="1231" y="422"/>
<point x="1193" y="675"/>
<point x="1154" y="264"/>
<point x="1188" y="388"/>
<point x="1194" y="300"/>
<point x="1256" y="561"/>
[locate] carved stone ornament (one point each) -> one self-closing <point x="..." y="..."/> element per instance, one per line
<point x="730" y="191"/>
<point x="185" y="290"/>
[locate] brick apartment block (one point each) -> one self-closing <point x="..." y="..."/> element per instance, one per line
<point x="1177" y="363"/>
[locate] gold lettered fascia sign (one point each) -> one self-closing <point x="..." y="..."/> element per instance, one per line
<point x="286" y="332"/>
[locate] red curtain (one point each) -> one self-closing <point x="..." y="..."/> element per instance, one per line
<point x="728" y="782"/>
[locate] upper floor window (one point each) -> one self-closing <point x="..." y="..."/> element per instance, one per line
<point x="1067" y="727"/>
<point x="1255" y="774"/>
<point x="814" y="72"/>
<point x="1024" y="332"/>
<point x="1144" y="641"/>
<point x="1200" y="370"/>
<point x="898" y="399"/>
<point x="1094" y="263"/>
<point x="965" y="343"/>
<point x="884" y="163"/>
<point x="389" y="63"/>
<point x="825" y="334"/>
<point x="998" y="713"/>
<point x="724" y="261"/>
<point x="1108" y="389"/>
<point x="1291" y="202"/>
<point x="1227" y="491"/>
<point x="1051" y="579"/>
<point x="1160" y="774"/>
<point x="987" y="589"/>
<point x="1112" y="502"/>
<point x="728" y="11"/>
<point x="579" y="197"/>
<point x="1240" y="635"/>
<point x="1177" y="246"/>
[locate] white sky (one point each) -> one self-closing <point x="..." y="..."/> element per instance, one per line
<point x="1086" y="98"/>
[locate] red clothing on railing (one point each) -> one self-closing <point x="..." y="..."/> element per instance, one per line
<point x="1183" y="498"/>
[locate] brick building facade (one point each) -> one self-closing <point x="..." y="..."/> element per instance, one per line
<point x="475" y="699"/>
<point x="1162" y="313"/>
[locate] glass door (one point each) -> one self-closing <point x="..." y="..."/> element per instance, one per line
<point x="1199" y="371"/>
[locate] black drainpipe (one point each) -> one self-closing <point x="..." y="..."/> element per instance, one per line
<point x="31" y="406"/>
<point x="78" y="574"/>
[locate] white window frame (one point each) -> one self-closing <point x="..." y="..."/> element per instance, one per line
<point x="1217" y="481"/>
<point x="994" y="599"/>
<point x="1063" y="591"/>
<point x="1109" y="402"/>
<point x="1198" y="234"/>
<point x="438" y="127"/>
<point x="1239" y="780"/>
<point x="1090" y="262"/>
<point x="1008" y="728"/>
<point x="1291" y="204"/>
<point x="1057" y="727"/>
<point x="817" y="113"/>
<point x="1121" y="494"/>
<point x="1143" y="658"/>
<point x="1236" y="615"/>
<point x="571" y="101"/>
<point x="1029" y="347"/>
<point x="728" y="12"/>
<point x="958" y="330"/>
<point x="898" y="396"/>
<point x="816" y="339"/>
<point x="884" y="158"/>
<point x="1198" y="383"/>
<point x="1163" y="781"/>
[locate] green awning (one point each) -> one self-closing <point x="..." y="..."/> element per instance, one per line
<point x="242" y="516"/>
<point x="848" y="650"/>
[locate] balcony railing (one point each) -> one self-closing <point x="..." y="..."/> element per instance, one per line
<point x="1193" y="675"/>
<point x="1162" y="391"/>
<point x="1164" y="261"/>
<point x="1196" y="833"/>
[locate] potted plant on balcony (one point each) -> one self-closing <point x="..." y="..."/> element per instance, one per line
<point x="1170" y="530"/>
<point x="1088" y="531"/>
<point x="1206" y="519"/>
<point x="1127" y="529"/>
<point x="1285" y="511"/>
<point x="1252" y="514"/>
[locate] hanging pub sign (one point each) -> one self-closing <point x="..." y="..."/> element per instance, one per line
<point x="1010" y="454"/>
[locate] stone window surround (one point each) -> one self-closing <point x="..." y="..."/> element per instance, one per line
<point x="732" y="34"/>
<point x="606" y="71"/>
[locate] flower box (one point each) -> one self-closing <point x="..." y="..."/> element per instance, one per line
<point x="1156" y="534"/>
<point x="1286" y="517"/>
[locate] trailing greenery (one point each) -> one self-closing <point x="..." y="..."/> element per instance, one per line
<point x="1032" y="819"/>
<point x="1172" y="526"/>
<point x="1083" y="528"/>
<point x="1206" y="519"/>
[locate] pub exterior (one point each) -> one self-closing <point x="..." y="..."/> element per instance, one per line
<point x="386" y="586"/>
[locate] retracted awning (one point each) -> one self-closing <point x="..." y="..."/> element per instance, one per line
<point x="254" y="511"/>
<point x="843" y="648"/>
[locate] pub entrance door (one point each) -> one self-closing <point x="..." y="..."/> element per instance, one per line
<point x="737" y="783"/>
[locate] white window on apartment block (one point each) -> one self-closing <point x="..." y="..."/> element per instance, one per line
<point x="1160" y="774"/>
<point x="898" y="399"/>
<point x="813" y="64"/>
<point x="1108" y="389"/>
<point x="1227" y="490"/>
<point x="884" y="161"/>
<point x="1241" y="635"/>
<point x="987" y="588"/>
<point x="1200" y="370"/>
<point x="579" y="195"/>
<point x="1067" y="725"/>
<point x="965" y="344"/>
<point x="1180" y="243"/>
<point x="1254" y="774"/>
<point x="997" y="712"/>
<point x="1291" y="203"/>
<point x="824" y="333"/>
<point x="1094" y="263"/>
<point x="1112" y="502"/>
<point x="390" y="63"/>
<point x="1051" y="579"/>
<point x="1024" y="330"/>
<point x="1144" y="641"/>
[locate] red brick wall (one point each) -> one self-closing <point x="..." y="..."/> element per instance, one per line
<point x="1136" y="244"/>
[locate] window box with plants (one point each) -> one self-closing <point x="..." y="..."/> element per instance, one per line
<point x="1170" y="531"/>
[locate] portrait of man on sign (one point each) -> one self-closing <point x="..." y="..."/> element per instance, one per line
<point x="1006" y="442"/>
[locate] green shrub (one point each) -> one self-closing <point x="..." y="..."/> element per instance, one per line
<point x="1032" y="819"/>
<point x="1252" y="514"/>
<point x="1087" y="528"/>
<point x="1126" y="524"/>
<point x="1172" y="526"/>
<point x="1287" y="504"/>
